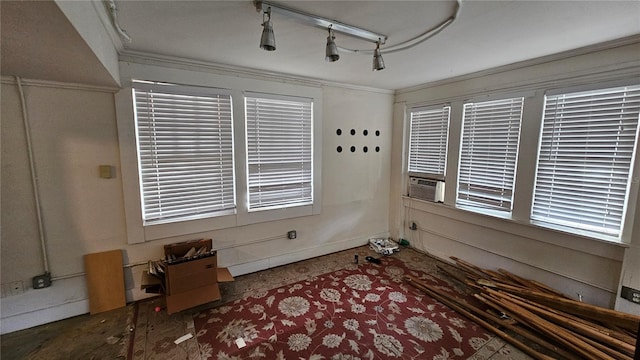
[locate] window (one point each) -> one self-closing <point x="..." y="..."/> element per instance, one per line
<point x="488" y="153"/>
<point x="185" y="152"/>
<point x="279" y="151"/>
<point x="428" y="140"/>
<point x="584" y="162"/>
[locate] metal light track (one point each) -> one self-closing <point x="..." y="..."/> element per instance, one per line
<point x="321" y="22"/>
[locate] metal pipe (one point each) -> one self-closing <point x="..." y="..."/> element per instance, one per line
<point x="407" y="44"/>
<point x="113" y="10"/>
<point x="34" y="177"/>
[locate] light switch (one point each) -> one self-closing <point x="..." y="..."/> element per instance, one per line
<point x="107" y="171"/>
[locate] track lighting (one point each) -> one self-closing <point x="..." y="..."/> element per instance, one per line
<point x="268" y="39"/>
<point x="331" y="50"/>
<point x="378" y="63"/>
<point x="268" y="42"/>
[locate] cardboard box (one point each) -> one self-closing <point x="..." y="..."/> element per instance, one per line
<point x="151" y="284"/>
<point x="189" y="280"/>
<point x="181" y="249"/>
<point x="191" y="274"/>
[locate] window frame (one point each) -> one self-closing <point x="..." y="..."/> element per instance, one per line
<point x="431" y="109"/>
<point x="304" y="130"/>
<point x="137" y="232"/>
<point x="482" y="207"/>
<point x="627" y="202"/>
<point x="532" y="114"/>
<point x="147" y="89"/>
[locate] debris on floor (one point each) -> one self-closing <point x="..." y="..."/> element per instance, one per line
<point x="112" y="340"/>
<point x="183" y="338"/>
<point x="383" y="246"/>
<point x="563" y="327"/>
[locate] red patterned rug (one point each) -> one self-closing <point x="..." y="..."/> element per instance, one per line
<point x="362" y="312"/>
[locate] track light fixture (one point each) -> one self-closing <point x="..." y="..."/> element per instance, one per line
<point x="268" y="43"/>
<point x="268" y="39"/>
<point x="331" y="50"/>
<point x="378" y="62"/>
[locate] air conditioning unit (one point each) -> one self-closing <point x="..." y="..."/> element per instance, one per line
<point x="426" y="189"/>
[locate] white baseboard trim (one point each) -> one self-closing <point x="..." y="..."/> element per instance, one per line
<point x="24" y="320"/>
<point x="43" y="316"/>
<point x="302" y="254"/>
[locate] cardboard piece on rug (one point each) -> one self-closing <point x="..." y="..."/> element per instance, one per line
<point x="240" y="343"/>
<point x="224" y="275"/>
<point x="183" y="338"/>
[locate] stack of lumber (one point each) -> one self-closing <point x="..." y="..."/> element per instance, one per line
<point x="525" y="312"/>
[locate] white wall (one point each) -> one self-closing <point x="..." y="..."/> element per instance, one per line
<point x="573" y="264"/>
<point x="74" y="131"/>
<point x="102" y="40"/>
<point x="630" y="274"/>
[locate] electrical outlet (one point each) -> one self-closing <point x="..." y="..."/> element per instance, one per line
<point x="42" y="281"/>
<point x="16" y="288"/>
<point x="292" y="234"/>
<point x="630" y="294"/>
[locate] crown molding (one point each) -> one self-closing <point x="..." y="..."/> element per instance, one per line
<point x="630" y="40"/>
<point x="11" y="80"/>
<point x="139" y="57"/>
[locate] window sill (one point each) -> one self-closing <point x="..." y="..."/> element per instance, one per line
<point x="195" y="226"/>
<point x="605" y="248"/>
<point x="505" y="215"/>
<point x="161" y="231"/>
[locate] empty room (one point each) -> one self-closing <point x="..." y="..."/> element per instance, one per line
<point x="451" y="179"/>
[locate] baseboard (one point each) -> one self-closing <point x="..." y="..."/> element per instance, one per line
<point x="43" y="316"/>
<point x="299" y="255"/>
<point x="46" y="313"/>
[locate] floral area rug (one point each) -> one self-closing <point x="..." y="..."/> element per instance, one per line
<point x="363" y="311"/>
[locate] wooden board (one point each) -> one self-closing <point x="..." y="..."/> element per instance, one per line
<point x="105" y="281"/>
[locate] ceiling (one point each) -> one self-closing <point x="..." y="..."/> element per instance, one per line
<point x="38" y="42"/>
<point x="485" y="35"/>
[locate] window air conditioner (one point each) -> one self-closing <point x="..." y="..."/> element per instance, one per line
<point x="426" y="189"/>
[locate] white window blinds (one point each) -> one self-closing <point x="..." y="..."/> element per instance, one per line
<point x="279" y="151"/>
<point x="584" y="163"/>
<point x="185" y="152"/>
<point x="488" y="153"/>
<point x="428" y="140"/>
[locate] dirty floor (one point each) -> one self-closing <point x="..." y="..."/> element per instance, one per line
<point x="138" y="332"/>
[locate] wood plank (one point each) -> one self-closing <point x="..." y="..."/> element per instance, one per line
<point x="597" y="313"/>
<point x="453" y="304"/>
<point x="105" y="280"/>
<point x="557" y="333"/>
<point x="570" y="324"/>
